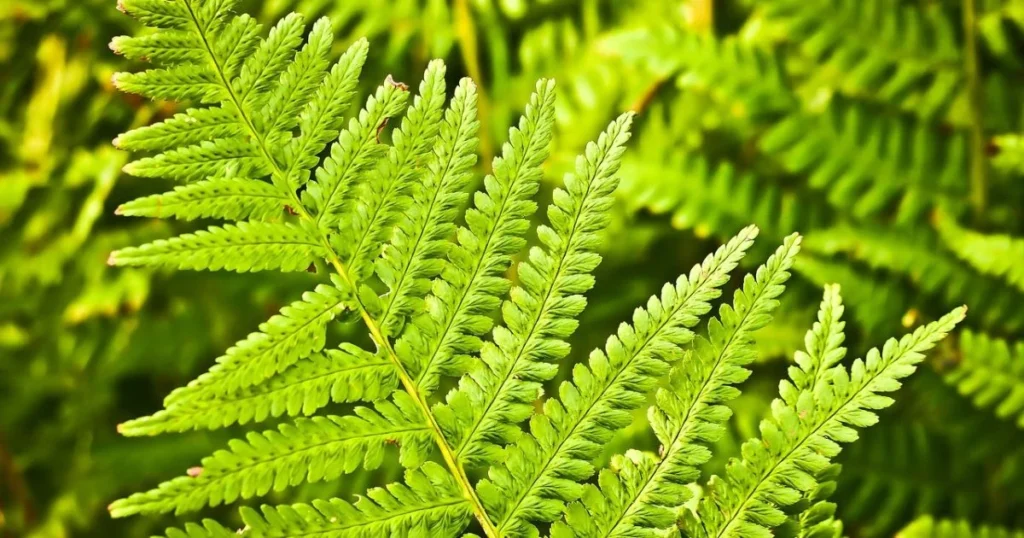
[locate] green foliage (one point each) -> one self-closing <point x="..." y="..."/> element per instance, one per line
<point x="424" y="325"/>
<point x="929" y="528"/>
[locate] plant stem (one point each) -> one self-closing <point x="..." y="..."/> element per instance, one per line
<point x="978" y="169"/>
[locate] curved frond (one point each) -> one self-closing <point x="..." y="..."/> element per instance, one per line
<point x="799" y="440"/>
<point x="307" y="450"/>
<point x="299" y="330"/>
<point x="223" y="198"/>
<point x="996" y="255"/>
<point x="241" y="247"/>
<point x="342" y="375"/>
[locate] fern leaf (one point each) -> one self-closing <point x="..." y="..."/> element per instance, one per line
<point x="352" y="155"/>
<point x="204" y="160"/>
<point x="157" y="13"/>
<point x="824" y="349"/>
<point x="299" y="81"/>
<point x="991" y="373"/>
<point x="928" y="527"/>
<point x="236" y="43"/>
<point x="342" y="375"/>
<point x="307" y="450"/>
<point x="542" y="470"/>
<point x="169" y="47"/>
<point x="798" y="441"/>
<point x="295" y="333"/>
<point x="690" y="411"/>
<point x="494" y="399"/>
<point x="996" y="255"/>
<point x="420" y="240"/>
<point x="269" y="60"/>
<point x="182" y="83"/>
<point x="386" y="193"/>
<point x="468" y="289"/>
<point x="222" y="198"/>
<point x="427" y="505"/>
<point x="188" y="128"/>
<point x="323" y="115"/>
<point x="241" y="247"/>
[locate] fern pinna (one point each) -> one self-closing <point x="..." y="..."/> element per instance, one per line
<point x="267" y="146"/>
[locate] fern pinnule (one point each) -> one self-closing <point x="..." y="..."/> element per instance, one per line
<point x="688" y="415"/>
<point x="542" y="470"/>
<point x="307" y="450"/>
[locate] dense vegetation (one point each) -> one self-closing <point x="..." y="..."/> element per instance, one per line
<point x="413" y="334"/>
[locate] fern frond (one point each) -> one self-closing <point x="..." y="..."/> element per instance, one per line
<point x="385" y="194"/>
<point x="996" y="255"/>
<point x="928" y="527"/>
<point x="352" y="155"/>
<point x="906" y="55"/>
<point x="298" y="83"/>
<point x="845" y="149"/>
<point x="342" y="375"/>
<point x="484" y="413"/>
<point x="468" y="288"/>
<point x="182" y="83"/>
<point x="422" y="235"/>
<point x="991" y="373"/>
<point x="157" y="13"/>
<point x="221" y="198"/>
<point x="798" y="440"/>
<point x="308" y="450"/>
<point x="189" y="128"/>
<point x="299" y="330"/>
<point x="824" y="349"/>
<point x="323" y="116"/>
<point x="427" y="504"/>
<point x="542" y="470"/>
<point x="241" y="247"/>
<point x="271" y="57"/>
<point x="689" y="413"/>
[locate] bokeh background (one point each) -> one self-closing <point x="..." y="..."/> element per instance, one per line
<point x="889" y="132"/>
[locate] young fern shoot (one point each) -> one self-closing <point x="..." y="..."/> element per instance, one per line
<point x="264" y="145"/>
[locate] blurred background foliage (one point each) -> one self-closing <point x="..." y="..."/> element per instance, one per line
<point x="889" y="132"/>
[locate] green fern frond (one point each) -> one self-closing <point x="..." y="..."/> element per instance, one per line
<point x="991" y="373"/>
<point x="467" y="292"/>
<point x="342" y="375"/>
<point x="688" y="415"/>
<point x="996" y="255"/>
<point x="307" y="450"/>
<point x="356" y="151"/>
<point x="492" y="400"/>
<point x="928" y="527"/>
<point x="385" y="194"/>
<point x="542" y="470"/>
<point x="189" y="128"/>
<point x="222" y="198"/>
<point x="798" y="440"/>
<point x="847" y="147"/>
<point x="426" y="505"/>
<point x="904" y="55"/>
<point x="421" y="237"/>
<point x="241" y="247"/>
<point x="299" y="330"/>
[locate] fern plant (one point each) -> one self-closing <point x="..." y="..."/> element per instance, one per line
<point x="372" y="204"/>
